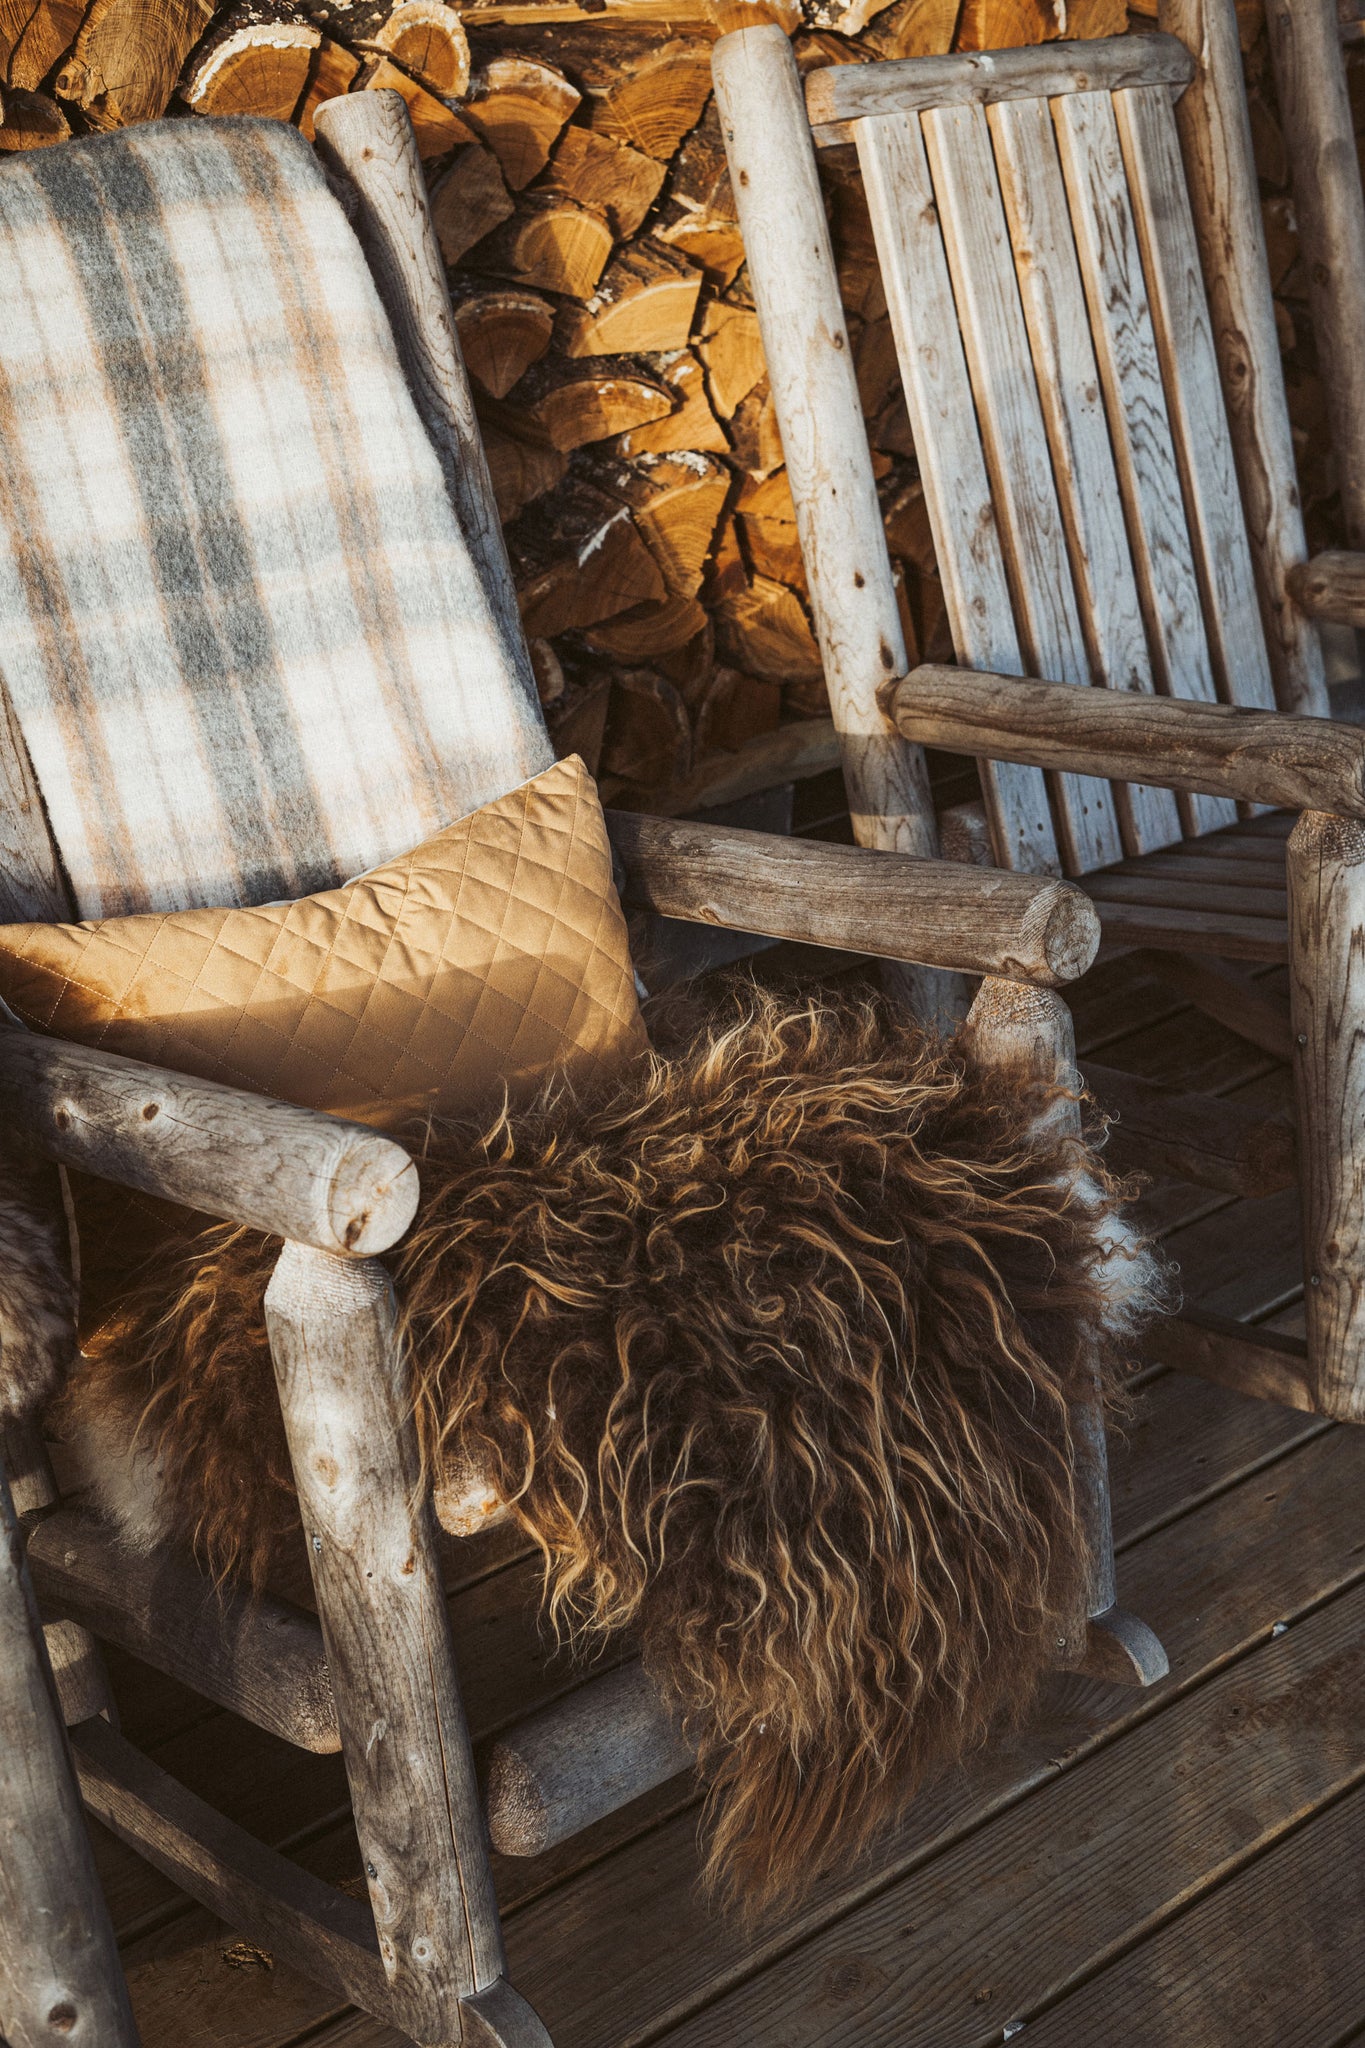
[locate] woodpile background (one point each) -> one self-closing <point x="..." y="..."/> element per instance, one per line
<point x="580" y="192"/>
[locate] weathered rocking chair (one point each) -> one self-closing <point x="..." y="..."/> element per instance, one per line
<point x="1071" y="247"/>
<point x="377" y="1678"/>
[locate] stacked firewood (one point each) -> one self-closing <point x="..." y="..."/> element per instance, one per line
<point x="581" y="196"/>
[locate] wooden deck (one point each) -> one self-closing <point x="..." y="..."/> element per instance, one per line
<point x="1182" y="1869"/>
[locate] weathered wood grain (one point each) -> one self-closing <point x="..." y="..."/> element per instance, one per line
<point x="261" y="1658"/>
<point x="957" y="492"/>
<point x="31" y="884"/>
<point x="1329" y="207"/>
<point x="372" y="1551"/>
<point x="1135" y="402"/>
<point x="60" y="1973"/>
<point x="1194" y="396"/>
<point x="1114" y="1846"/>
<point x="295" y="1172"/>
<point x="985" y="77"/>
<point x="1028" y="517"/>
<point x="1230" y="995"/>
<point x="1326" y="918"/>
<point x="1069" y="393"/>
<point x="1258" y="757"/>
<point x="574" y="1762"/>
<point x="1202" y="1138"/>
<point x="254" y="1888"/>
<point x="368" y="137"/>
<point x="810" y="364"/>
<point x="1262" y="1362"/>
<point x="1215" y="141"/>
<point x="894" y="906"/>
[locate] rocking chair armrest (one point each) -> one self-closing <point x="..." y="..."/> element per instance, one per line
<point x="1256" y="757"/>
<point x="895" y="905"/>
<point x="1330" y="586"/>
<point x="297" y="1173"/>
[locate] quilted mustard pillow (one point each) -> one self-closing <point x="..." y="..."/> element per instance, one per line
<point x="492" y="954"/>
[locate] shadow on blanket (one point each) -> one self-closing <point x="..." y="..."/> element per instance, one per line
<point x="770" y="1350"/>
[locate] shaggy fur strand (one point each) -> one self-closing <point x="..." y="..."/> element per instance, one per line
<point x="772" y="1350"/>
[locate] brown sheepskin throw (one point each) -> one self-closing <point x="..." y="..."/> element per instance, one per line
<point x="770" y="1348"/>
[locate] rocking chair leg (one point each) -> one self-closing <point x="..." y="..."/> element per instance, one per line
<point x="1326" y="864"/>
<point x="1029" y="1031"/>
<point x="373" y="1554"/>
<point x="60" y="1973"/>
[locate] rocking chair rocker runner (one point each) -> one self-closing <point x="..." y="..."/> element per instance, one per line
<point x="377" y="1678"/>
<point x="1071" y="245"/>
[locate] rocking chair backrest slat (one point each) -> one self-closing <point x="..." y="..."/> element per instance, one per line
<point x="980" y="261"/>
<point x="247" y="646"/>
<point x="1065" y="232"/>
<point x="1083" y="462"/>
<point x="1039" y="255"/>
<point x="1120" y="325"/>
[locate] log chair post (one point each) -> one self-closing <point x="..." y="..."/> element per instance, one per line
<point x="1315" y="112"/>
<point x="1027" y="1032"/>
<point x="815" y="392"/>
<point x="1326" y="864"/>
<point x="372" y="1550"/>
<point x="60" y="1974"/>
<point x="1215" y="140"/>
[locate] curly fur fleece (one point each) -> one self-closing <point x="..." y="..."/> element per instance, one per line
<point x="771" y="1350"/>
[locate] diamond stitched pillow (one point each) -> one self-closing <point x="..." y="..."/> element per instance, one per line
<point x="492" y="954"/>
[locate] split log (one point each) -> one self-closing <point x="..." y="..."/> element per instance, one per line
<point x="644" y="304"/>
<point x="548" y="670"/>
<point x="551" y="243"/>
<point x="577" y="559"/>
<point x="580" y="1759"/>
<point x="573" y="403"/>
<point x="578" y="721"/>
<point x="518" y="105"/>
<point x="676" y="502"/>
<point x="877" y="367"/>
<point x="755" y="433"/>
<point x="128" y="56"/>
<point x="1199" y="1138"/>
<point x="436" y="127"/>
<point x="692" y="425"/>
<point x="615" y="180"/>
<point x="699" y="219"/>
<point x="733" y="710"/>
<point x="651" y="101"/>
<point x="254" y="67"/>
<point x="30" y="120"/>
<point x="790" y="753"/>
<point x="522" y="470"/>
<point x="35" y="35"/>
<point x="469" y="202"/>
<point x="913" y="28"/>
<point x="427" y="38"/>
<point x="732" y="350"/>
<point x="764" y="629"/>
<point x="648" y="738"/>
<point x="651" y="629"/>
<point x="331" y="74"/>
<point x="502" y="330"/>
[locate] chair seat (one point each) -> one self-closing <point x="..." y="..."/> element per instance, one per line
<point x="1223" y="893"/>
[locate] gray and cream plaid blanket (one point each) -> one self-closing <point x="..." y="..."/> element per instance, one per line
<point x="239" y="625"/>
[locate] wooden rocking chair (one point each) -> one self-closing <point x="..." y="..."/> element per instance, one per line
<point x="1071" y="247"/>
<point x="375" y="1676"/>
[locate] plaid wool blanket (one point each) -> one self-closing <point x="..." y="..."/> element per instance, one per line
<point x="239" y="625"/>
